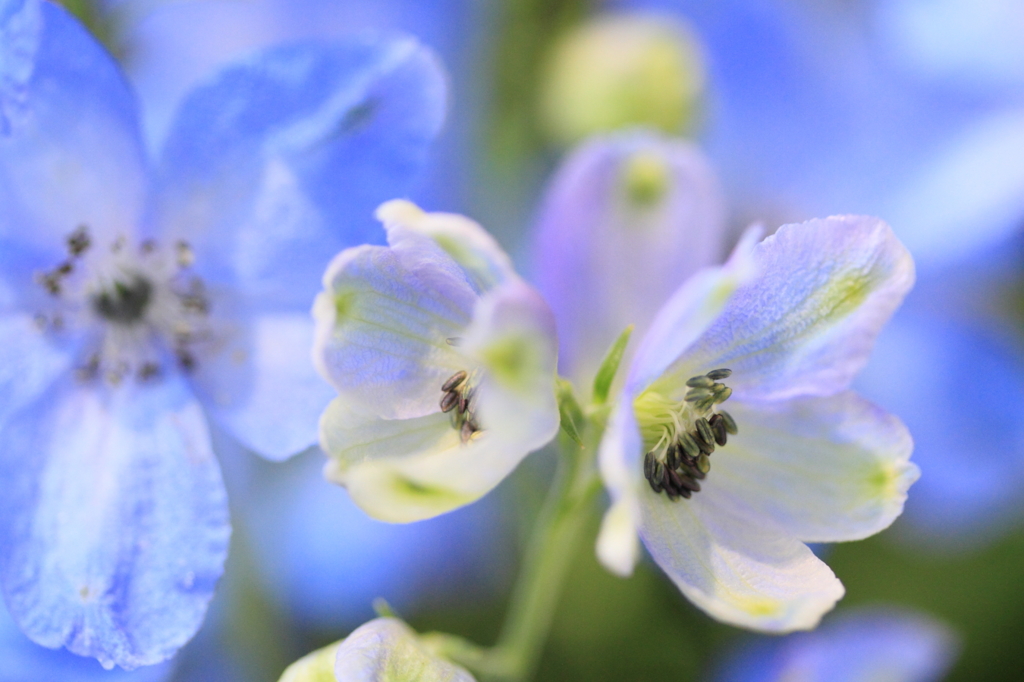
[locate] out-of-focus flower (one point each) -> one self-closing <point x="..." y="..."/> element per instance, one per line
<point x="444" y="361"/>
<point x="383" y="650"/>
<point x="618" y="71"/>
<point x="136" y="305"/>
<point x="24" y="661"/>
<point x="863" y="645"/>
<point x="626" y="219"/>
<point x="793" y="318"/>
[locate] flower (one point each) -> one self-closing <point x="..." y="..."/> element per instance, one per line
<point x="383" y="650"/>
<point x="625" y="220"/>
<point x="136" y="307"/>
<point x="780" y="331"/>
<point x="444" y="362"/>
<point x="875" y="643"/>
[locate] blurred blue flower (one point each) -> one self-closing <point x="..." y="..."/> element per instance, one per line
<point x="861" y="645"/>
<point x="22" y="660"/>
<point x="913" y="111"/>
<point x="135" y="305"/>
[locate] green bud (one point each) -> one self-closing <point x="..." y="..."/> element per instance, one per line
<point x="618" y="71"/>
<point x="315" y="667"/>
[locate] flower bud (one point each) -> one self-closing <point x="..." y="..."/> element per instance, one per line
<point x="618" y="71"/>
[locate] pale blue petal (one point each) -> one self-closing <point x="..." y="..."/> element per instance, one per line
<point x="261" y="386"/>
<point x="384" y="324"/>
<point x="280" y="161"/>
<point x="806" y="324"/>
<point x="26" y="661"/>
<point x="970" y="449"/>
<point x="71" y="153"/>
<point x="878" y="643"/>
<point x="114" y="523"/>
<point x="606" y="259"/>
<point x="825" y="469"/>
<point x="29" y="362"/>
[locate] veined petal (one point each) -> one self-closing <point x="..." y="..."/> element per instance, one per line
<point x="824" y="469"/>
<point x="262" y="387"/>
<point x="477" y="253"/>
<point x="70" y="147"/>
<point x="626" y="219"/>
<point x="512" y="337"/>
<point x="806" y="324"/>
<point x="113" y="522"/>
<point x="386" y="650"/>
<point x="737" y="567"/>
<point x="403" y="470"/>
<point x="384" y="324"/>
<point x="690" y="311"/>
<point x="282" y="159"/>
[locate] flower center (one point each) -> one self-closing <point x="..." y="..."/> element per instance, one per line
<point x="141" y="307"/>
<point x="681" y="435"/>
<point x="457" y="400"/>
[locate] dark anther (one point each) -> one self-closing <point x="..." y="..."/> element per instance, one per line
<point x="719" y="374"/>
<point x="149" y="370"/>
<point x="689" y="445"/>
<point x="186" y="360"/>
<point x="454" y="341"/>
<point x="126" y="302"/>
<point x="718" y="427"/>
<point x="79" y="241"/>
<point x="65" y="268"/>
<point x="648" y="465"/>
<point x="449" y="400"/>
<point x="687" y="483"/>
<point x="730" y="423"/>
<point x="50" y="282"/>
<point x="700" y="382"/>
<point x="703" y="465"/>
<point x="672" y="457"/>
<point x="705" y="437"/>
<point x="454" y="381"/>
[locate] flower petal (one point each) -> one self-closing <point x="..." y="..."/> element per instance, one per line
<point x="29" y="362"/>
<point x="477" y="253"/>
<point x="512" y="336"/>
<point x="626" y="219"/>
<point x="386" y="650"/>
<point x="824" y="469"/>
<point x="262" y="387"/>
<point x="384" y="324"/>
<point x="282" y="159"/>
<point x="26" y="661"/>
<point x="114" y="521"/>
<point x="806" y="324"/>
<point x="619" y="463"/>
<point x="689" y="312"/>
<point x="70" y="147"/>
<point x="739" y="568"/>
<point x="403" y="470"/>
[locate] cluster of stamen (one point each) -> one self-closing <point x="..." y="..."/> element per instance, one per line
<point x="681" y="458"/>
<point x="138" y="298"/>
<point x="457" y="400"/>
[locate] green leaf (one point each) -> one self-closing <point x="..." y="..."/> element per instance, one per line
<point x="569" y="409"/>
<point x="610" y="366"/>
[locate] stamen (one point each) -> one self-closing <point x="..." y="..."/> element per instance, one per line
<point x="449" y="400"/>
<point x="454" y="381"/>
<point x="719" y="374"/>
<point x="79" y="241"/>
<point x="457" y="398"/>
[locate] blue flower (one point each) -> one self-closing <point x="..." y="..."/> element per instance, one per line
<point x="875" y="643"/>
<point x="136" y="304"/>
<point x="780" y="331"/>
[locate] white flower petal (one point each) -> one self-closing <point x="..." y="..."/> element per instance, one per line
<point x="384" y="321"/>
<point x="619" y="463"/>
<point x="513" y="338"/>
<point x="386" y="650"/>
<point x="806" y="324"/>
<point x="403" y="470"/>
<point x="824" y="469"/>
<point x="484" y="261"/>
<point x="618" y="545"/>
<point x="738" y="568"/>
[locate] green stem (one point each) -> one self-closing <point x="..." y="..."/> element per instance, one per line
<point x="553" y="545"/>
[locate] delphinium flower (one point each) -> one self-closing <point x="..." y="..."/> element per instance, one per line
<point x="863" y="645"/>
<point x="139" y="305"/>
<point x="912" y="111"/>
<point x="383" y="650"/>
<point x="725" y="500"/>
<point x="444" y="362"/>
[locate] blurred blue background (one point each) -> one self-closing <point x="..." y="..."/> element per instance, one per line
<point x="912" y="110"/>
